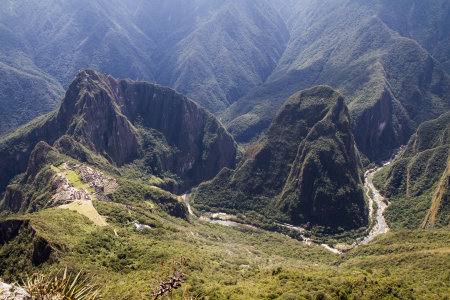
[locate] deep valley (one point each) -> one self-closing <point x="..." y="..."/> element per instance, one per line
<point x="224" y="149"/>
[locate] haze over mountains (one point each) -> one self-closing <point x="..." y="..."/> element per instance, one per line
<point x="127" y="127"/>
<point x="239" y="59"/>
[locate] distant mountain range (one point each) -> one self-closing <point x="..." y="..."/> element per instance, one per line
<point x="239" y="59"/>
<point x="132" y="130"/>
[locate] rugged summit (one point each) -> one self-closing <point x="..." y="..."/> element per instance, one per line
<point x="325" y="183"/>
<point x="304" y="169"/>
<point x="146" y="128"/>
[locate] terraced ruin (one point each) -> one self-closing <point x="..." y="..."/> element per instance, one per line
<point x="78" y="185"/>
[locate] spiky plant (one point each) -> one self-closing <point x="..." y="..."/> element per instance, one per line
<point x="41" y="287"/>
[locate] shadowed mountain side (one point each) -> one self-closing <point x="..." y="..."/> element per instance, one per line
<point x="67" y="36"/>
<point x="325" y="183"/>
<point x="232" y="49"/>
<point x="391" y="86"/>
<point x="45" y="43"/>
<point x="427" y="22"/>
<point x="124" y="121"/>
<point x="262" y="175"/>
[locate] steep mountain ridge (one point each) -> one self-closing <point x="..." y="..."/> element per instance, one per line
<point x="226" y="53"/>
<point x="216" y="53"/>
<point x="391" y="84"/>
<point x="304" y="169"/>
<point x="97" y="117"/>
<point x="52" y="40"/>
<point x="325" y="182"/>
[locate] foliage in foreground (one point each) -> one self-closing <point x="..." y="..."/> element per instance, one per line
<point x="65" y="288"/>
<point x="229" y="262"/>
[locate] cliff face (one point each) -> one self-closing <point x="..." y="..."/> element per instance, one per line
<point x="32" y="189"/>
<point x="124" y="121"/>
<point x="39" y="249"/>
<point x="306" y="166"/>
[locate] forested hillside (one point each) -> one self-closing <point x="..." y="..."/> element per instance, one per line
<point x="417" y="182"/>
<point x="239" y="59"/>
<point x="226" y="149"/>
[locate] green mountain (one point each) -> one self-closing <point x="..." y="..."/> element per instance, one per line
<point x="25" y="96"/>
<point x="226" y="54"/>
<point x="241" y="59"/>
<point x="416" y="182"/>
<point x="304" y="169"/>
<point x="140" y="130"/>
<point x="391" y="84"/>
<point x="89" y="183"/>
<point x="211" y="51"/>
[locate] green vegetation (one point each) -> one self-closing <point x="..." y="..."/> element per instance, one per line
<point x="34" y="189"/>
<point x="413" y="180"/>
<point x="86" y="209"/>
<point x="365" y="59"/>
<point x="25" y="96"/>
<point x="275" y="179"/>
<point x="227" y="262"/>
<point x="68" y="286"/>
<point x="176" y="140"/>
<point x="133" y="192"/>
<point x="241" y="60"/>
<point x="249" y="53"/>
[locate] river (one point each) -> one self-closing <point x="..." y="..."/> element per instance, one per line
<point x="379" y="228"/>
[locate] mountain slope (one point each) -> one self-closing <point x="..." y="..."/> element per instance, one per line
<point x="325" y="183"/>
<point x="439" y="213"/>
<point x="255" y="53"/>
<point x="45" y="43"/>
<point x="138" y="126"/>
<point x="226" y="54"/>
<point x="25" y="96"/>
<point x="314" y="124"/>
<point x="416" y="181"/>
<point x="391" y="84"/>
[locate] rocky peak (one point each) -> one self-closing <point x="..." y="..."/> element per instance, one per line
<point x="306" y="168"/>
<point x="124" y="121"/>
